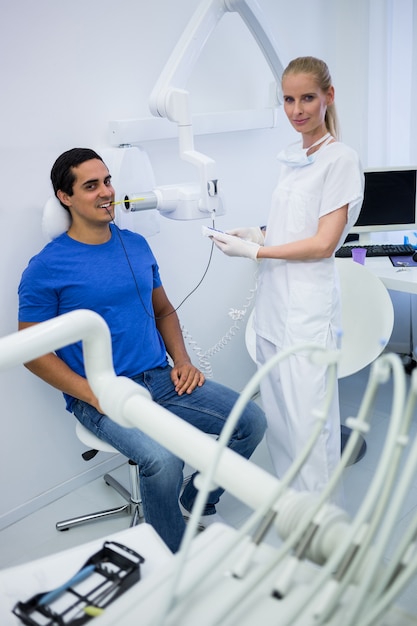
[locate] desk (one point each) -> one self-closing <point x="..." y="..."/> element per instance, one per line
<point x="395" y="278"/>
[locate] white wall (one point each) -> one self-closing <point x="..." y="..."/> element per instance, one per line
<point x="67" y="70"/>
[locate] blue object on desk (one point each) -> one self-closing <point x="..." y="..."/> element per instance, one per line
<point x="113" y="569"/>
<point x="55" y="593"/>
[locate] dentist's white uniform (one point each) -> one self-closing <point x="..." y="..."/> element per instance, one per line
<point x="298" y="302"/>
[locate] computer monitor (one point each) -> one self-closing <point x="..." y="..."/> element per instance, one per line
<point x="389" y="202"/>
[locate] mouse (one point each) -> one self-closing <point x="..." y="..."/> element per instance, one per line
<point x="415" y="256"/>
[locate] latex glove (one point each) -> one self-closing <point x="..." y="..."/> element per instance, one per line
<point x="235" y="246"/>
<point x="252" y="233"/>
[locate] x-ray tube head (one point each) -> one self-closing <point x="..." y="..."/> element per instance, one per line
<point x="140" y="201"/>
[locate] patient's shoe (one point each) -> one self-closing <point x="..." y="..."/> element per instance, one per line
<point x="205" y="520"/>
<point x="215" y="518"/>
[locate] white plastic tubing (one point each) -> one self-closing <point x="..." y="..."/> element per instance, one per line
<point x="130" y="405"/>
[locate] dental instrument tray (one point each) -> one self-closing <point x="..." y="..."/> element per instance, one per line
<point x="104" y="577"/>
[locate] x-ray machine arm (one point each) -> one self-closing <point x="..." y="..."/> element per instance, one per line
<point x="171" y="100"/>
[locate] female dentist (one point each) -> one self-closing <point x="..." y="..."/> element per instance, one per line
<point x="316" y="201"/>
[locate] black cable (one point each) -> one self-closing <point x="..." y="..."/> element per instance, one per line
<point x="137" y="286"/>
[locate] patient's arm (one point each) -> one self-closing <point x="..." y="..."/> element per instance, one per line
<point x="55" y="372"/>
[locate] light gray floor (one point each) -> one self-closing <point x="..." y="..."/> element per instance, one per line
<point x="35" y="536"/>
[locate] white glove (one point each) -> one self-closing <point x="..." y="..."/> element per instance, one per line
<point x="234" y="246"/>
<point x="253" y="233"/>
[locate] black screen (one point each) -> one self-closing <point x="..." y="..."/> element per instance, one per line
<point x="389" y="198"/>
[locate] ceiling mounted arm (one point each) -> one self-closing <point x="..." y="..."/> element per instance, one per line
<point x="170" y="99"/>
<point x="254" y="19"/>
<point x="179" y="67"/>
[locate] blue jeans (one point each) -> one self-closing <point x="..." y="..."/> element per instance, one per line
<point x="160" y="471"/>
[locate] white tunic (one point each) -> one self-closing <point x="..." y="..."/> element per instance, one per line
<point x="298" y="302"/>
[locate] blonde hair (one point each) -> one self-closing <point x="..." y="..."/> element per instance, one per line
<point x="320" y="71"/>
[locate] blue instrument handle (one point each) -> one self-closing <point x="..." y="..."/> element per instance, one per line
<point x="55" y="593"/>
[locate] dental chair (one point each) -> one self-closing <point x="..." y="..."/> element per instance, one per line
<point x="367" y="323"/>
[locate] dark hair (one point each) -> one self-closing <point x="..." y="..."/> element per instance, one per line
<point x="62" y="174"/>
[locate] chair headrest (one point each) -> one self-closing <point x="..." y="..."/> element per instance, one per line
<point x="55" y="219"/>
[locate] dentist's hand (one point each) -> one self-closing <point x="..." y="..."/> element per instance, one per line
<point x="252" y="233"/>
<point x="234" y="246"/>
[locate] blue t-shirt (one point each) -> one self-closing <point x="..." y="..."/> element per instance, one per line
<point x="114" y="279"/>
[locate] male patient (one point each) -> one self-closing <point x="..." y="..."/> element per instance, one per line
<point x="96" y="266"/>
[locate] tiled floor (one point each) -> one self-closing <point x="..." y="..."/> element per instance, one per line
<point x="35" y="536"/>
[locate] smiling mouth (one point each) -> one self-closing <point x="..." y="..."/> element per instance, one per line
<point x="105" y="205"/>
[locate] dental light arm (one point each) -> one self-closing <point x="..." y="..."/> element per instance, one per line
<point x="130" y="405"/>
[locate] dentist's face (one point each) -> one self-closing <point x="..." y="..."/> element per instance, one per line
<point x="305" y="104"/>
<point x="92" y="194"/>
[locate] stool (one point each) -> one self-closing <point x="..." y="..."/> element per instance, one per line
<point x="133" y="506"/>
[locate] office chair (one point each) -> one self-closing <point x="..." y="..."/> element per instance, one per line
<point x="367" y="323"/>
<point x="133" y="504"/>
<point x="367" y="316"/>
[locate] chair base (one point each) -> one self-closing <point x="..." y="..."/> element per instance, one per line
<point x="133" y="506"/>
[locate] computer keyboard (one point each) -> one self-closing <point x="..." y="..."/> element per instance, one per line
<point x="384" y="249"/>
